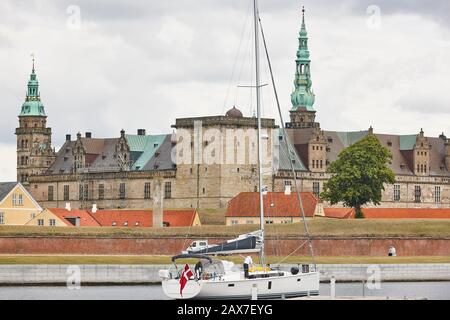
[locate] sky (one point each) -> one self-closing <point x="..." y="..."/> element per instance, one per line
<point x="108" y="65"/>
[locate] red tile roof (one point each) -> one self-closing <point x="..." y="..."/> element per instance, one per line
<point x="86" y="220"/>
<point x="246" y="204"/>
<point x="406" y="213"/>
<point x="144" y="218"/>
<point x="123" y="218"/>
<point x="339" y="213"/>
<point x="179" y="218"/>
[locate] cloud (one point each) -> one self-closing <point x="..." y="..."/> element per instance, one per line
<point x="8" y="162"/>
<point x="141" y="64"/>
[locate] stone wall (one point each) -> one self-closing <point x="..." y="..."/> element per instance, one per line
<point x="129" y="274"/>
<point x="171" y="246"/>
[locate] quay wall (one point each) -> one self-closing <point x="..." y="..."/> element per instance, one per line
<point x="148" y="274"/>
<point x="323" y="246"/>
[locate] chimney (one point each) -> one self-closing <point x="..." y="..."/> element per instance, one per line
<point x="88" y="134"/>
<point x="287" y="190"/>
<point x="141" y="132"/>
<point x="94" y="208"/>
<point x="68" y="208"/>
<point x="68" y="137"/>
<point x="158" y="206"/>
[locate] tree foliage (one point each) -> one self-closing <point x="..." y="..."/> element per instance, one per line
<point x="359" y="174"/>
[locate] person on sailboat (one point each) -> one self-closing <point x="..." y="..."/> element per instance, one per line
<point x="247" y="263"/>
<point x="198" y="269"/>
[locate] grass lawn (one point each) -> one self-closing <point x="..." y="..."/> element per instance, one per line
<point x="212" y="216"/>
<point x="86" y="259"/>
<point x="318" y="227"/>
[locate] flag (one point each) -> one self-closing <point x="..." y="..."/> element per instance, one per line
<point x="185" y="276"/>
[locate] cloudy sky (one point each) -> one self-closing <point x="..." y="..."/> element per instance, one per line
<point x="105" y="65"/>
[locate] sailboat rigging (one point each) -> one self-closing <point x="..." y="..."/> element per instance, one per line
<point x="219" y="279"/>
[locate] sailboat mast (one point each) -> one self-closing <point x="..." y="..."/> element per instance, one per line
<point x="258" y="108"/>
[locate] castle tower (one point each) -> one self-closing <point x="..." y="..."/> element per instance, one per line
<point x="302" y="113"/>
<point x="34" y="139"/>
<point x="447" y="154"/>
<point x="421" y="155"/>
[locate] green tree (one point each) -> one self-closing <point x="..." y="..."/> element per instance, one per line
<point x="359" y="174"/>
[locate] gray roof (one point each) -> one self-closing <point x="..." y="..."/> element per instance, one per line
<point x="284" y="158"/>
<point x="147" y="153"/>
<point x="401" y="147"/>
<point x="5" y="188"/>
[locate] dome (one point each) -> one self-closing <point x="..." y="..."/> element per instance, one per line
<point x="233" y="112"/>
<point x="32" y="108"/>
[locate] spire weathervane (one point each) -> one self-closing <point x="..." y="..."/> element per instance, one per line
<point x="33" y="58"/>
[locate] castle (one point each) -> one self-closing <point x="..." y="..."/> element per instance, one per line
<point x="135" y="170"/>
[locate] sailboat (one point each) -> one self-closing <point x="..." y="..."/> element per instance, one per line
<point x="221" y="279"/>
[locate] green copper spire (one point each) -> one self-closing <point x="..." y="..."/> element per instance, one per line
<point x="303" y="96"/>
<point x="33" y="105"/>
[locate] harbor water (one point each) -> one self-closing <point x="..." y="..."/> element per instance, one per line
<point x="430" y="290"/>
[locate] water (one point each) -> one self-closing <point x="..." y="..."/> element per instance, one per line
<point x="429" y="290"/>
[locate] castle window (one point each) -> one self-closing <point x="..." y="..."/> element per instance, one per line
<point x="147" y="186"/>
<point x="316" y="188"/>
<point x="2" y="218"/>
<point x="437" y="194"/>
<point x="313" y="147"/>
<point x="14" y="199"/>
<point x="417" y="194"/>
<point x="52" y="222"/>
<point x="204" y="190"/>
<point x="302" y="68"/>
<point x="389" y="143"/>
<point x="101" y="191"/>
<point x="82" y="192"/>
<point x="122" y="191"/>
<point x="313" y="163"/>
<point x="396" y="192"/>
<point x="168" y="190"/>
<point x="190" y="170"/>
<point x="66" y="193"/>
<point x="237" y="170"/>
<point x="287" y="183"/>
<point x="50" y="193"/>
<point x="425" y="168"/>
<point x="20" y="200"/>
<point x="418" y="168"/>
<point x="321" y="148"/>
<point x="86" y="192"/>
<point x="321" y="164"/>
<point x="330" y="140"/>
<point x="40" y="222"/>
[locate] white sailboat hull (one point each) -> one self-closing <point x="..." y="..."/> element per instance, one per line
<point x="285" y="286"/>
